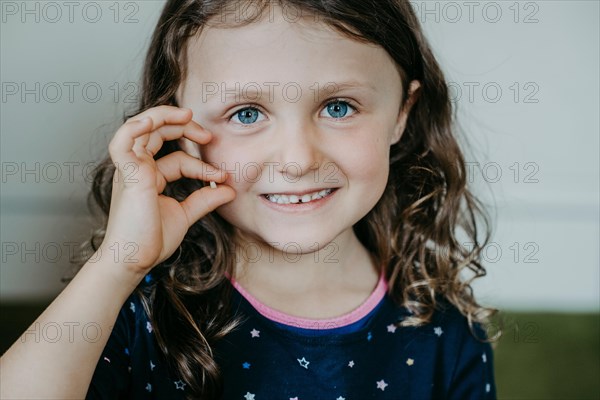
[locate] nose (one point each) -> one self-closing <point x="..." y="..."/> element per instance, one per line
<point x="298" y="151"/>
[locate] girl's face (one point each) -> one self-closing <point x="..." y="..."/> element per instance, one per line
<point x="294" y="108"/>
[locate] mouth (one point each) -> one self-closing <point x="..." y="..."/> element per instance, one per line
<point x="299" y="197"/>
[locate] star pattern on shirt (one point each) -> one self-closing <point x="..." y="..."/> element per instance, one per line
<point x="303" y="362"/>
<point x="179" y="384"/>
<point x="249" y="370"/>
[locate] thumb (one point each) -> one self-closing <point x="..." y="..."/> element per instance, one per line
<point x="205" y="200"/>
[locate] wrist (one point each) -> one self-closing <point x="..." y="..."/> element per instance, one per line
<point x="123" y="273"/>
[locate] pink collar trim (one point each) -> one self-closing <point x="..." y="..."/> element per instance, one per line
<point x="361" y="311"/>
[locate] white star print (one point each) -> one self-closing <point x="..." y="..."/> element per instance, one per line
<point x="381" y="385"/>
<point x="484" y="357"/>
<point x="149" y="387"/>
<point x="255" y="333"/>
<point x="107" y="359"/>
<point x="149" y="326"/>
<point x="438" y="330"/>
<point x="391" y="328"/>
<point x="179" y="384"/>
<point x="410" y="361"/>
<point x="249" y="396"/>
<point x="152" y="366"/>
<point x="351" y="364"/>
<point x="487" y="387"/>
<point x="294" y="398"/>
<point x="132" y="306"/>
<point x="341" y="398"/>
<point x="303" y="362"/>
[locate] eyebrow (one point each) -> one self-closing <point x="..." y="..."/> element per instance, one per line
<point x="235" y="91"/>
<point x="331" y="88"/>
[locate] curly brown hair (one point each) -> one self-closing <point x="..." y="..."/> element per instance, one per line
<point x="413" y="229"/>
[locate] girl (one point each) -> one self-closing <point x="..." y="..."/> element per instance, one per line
<point x="330" y="267"/>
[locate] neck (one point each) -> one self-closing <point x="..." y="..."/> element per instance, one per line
<point x="344" y="263"/>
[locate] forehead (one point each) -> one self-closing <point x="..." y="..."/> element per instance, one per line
<point x="278" y="50"/>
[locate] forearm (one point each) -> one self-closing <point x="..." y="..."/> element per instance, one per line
<point x="56" y="357"/>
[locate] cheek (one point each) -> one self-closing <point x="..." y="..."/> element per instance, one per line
<point x="235" y="158"/>
<point x="366" y="161"/>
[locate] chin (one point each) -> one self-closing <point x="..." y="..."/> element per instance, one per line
<point x="298" y="242"/>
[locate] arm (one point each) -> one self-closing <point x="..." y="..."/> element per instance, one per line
<point x="35" y="367"/>
<point x="62" y="367"/>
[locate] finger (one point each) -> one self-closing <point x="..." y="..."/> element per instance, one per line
<point x="120" y="147"/>
<point x="175" y="115"/>
<point x="205" y="200"/>
<point x="178" y="164"/>
<point x="158" y="116"/>
<point x="170" y="115"/>
<point x="125" y="145"/>
<point x="173" y="132"/>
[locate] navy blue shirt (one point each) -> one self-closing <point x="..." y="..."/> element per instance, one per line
<point x="263" y="359"/>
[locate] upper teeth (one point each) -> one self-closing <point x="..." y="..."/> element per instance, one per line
<point x="287" y="199"/>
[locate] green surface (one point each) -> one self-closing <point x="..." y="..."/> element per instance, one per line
<point x="549" y="356"/>
<point x="539" y="356"/>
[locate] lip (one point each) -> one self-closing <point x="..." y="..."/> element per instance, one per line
<point x="302" y="193"/>
<point x="300" y="207"/>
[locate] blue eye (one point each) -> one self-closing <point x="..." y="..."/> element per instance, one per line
<point x="338" y="108"/>
<point x="247" y="116"/>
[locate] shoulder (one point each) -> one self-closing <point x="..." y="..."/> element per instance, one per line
<point x="449" y="316"/>
<point x="467" y="355"/>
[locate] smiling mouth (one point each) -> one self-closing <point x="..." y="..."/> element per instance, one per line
<point x="296" y="199"/>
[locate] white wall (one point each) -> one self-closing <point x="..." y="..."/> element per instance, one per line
<point x="532" y="118"/>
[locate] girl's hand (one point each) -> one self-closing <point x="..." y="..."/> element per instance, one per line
<point x="145" y="227"/>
